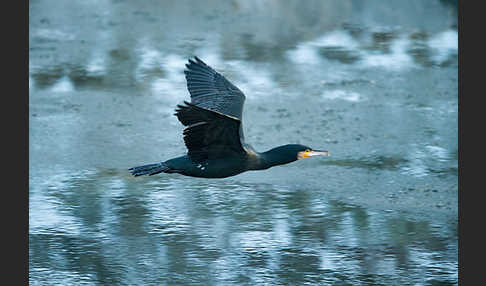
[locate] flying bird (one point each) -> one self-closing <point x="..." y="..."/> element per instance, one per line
<point x="214" y="134"/>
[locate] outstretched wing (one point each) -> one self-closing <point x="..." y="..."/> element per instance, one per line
<point x="213" y="118"/>
<point x="212" y="91"/>
<point x="209" y="134"/>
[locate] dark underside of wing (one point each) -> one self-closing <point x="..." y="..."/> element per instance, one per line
<point x="209" y="135"/>
<point x="212" y="91"/>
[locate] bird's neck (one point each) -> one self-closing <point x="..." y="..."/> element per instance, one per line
<point x="274" y="157"/>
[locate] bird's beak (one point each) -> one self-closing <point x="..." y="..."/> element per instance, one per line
<point x="307" y="154"/>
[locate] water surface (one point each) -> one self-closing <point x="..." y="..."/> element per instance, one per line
<point x="373" y="83"/>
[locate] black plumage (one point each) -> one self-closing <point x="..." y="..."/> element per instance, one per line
<point x="214" y="134"/>
<point x="212" y="91"/>
<point x="209" y="135"/>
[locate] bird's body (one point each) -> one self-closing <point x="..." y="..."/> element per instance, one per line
<point x="210" y="168"/>
<point x="214" y="134"/>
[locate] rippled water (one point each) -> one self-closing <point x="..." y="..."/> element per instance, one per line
<point x="104" y="226"/>
<point x="373" y="83"/>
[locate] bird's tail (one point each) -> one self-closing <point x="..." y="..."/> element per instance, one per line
<point x="150" y="169"/>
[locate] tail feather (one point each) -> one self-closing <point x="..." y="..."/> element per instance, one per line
<point x="150" y="169"/>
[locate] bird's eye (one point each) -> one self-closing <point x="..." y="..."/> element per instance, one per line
<point x="308" y="150"/>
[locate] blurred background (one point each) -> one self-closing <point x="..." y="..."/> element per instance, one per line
<point x="373" y="82"/>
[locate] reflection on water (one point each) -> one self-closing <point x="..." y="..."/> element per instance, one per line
<point x="387" y="52"/>
<point x="105" y="226"/>
<point x="341" y="41"/>
<point x="374" y="84"/>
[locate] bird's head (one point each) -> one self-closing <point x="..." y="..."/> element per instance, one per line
<point x="291" y="152"/>
<point x="305" y="151"/>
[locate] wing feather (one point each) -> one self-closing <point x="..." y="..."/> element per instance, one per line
<point x="208" y="135"/>
<point x="212" y="91"/>
<point x="213" y="117"/>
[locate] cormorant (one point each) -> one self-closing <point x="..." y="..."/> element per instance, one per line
<point x="214" y="135"/>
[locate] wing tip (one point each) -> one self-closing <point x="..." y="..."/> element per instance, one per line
<point x="199" y="60"/>
<point x="195" y="61"/>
